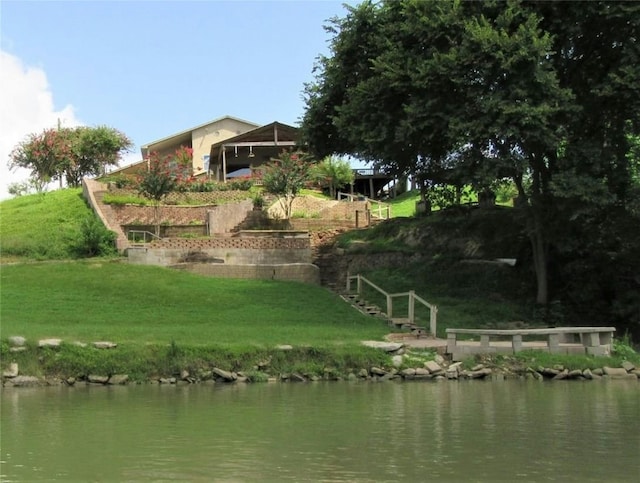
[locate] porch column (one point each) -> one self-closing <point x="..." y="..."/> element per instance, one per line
<point x="224" y="165"/>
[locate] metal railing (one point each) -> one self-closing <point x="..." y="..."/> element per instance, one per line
<point x="412" y="298"/>
<point x="140" y="237"/>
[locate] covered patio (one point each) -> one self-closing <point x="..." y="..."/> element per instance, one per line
<point x="249" y="150"/>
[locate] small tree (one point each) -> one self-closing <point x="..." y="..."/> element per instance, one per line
<point x="164" y="175"/>
<point x="285" y="176"/>
<point x="333" y="173"/>
<point x="69" y="153"/>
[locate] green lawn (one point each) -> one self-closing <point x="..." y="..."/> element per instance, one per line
<point x="89" y="301"/>
<point x="43" y="226"/>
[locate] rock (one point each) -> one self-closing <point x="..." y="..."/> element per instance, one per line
<point x="433" y="367"/>
<point x="396" y="361"/>
<point x="167" y="380"/>
<point x="408" y="372"/>
<point x="477" y="367"/>
<point x="284" y="347"/>
<point x="227" y="376"/>
<point x="438" y="359"/>
<point x="49" y="342"/>
<point x="96" y="379"/>
<point x="547" y="371"/>
<point x="79" y="344"/>
<point x="598" y="372"/>
<point x="105" y="345"/>
<point x="480" y="373"/>
<point x="205" y="375"/>
<point x="70" y="381"/>
<point x="12" y="371"/>
<point x="118" y="379"/>
<point x="17" y="349"/>
<point x="452" y="373"/>
<point x="615" y="372"/>
<point x="363" y="373"/>
<point x="456" y="365"/>
<point x="628" y="366"/>
<point x="184" y="374"/>
<point x="295" y="377"/>
<point x="272" y="379"/>
<point x="421" y="371"/>
<point x="25" y="381"/>
<point x="17" y="341"/>
<point x="385" y="346"/>
<point x="587" y="374"/>
<point x="242" y="379"/>
<point x="575" y="373"/>
<point x="561" y="375"/>
<point x="376" y="371"/>
<point x="352" y="377"/>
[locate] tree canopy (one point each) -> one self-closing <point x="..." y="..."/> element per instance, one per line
<point x="546" y="94"/>
<point x="69" y="153"/>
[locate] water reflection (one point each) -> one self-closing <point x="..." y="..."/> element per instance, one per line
<point x="464" y="431"/>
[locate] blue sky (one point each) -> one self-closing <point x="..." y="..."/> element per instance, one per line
<point x="152" y="68"/>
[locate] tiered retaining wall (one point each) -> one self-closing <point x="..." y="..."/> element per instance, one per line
<point x="226" y="250"/>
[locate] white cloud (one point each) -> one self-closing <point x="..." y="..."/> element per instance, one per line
<point x="26" y="106"/>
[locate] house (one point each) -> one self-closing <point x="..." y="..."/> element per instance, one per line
<point x="249" y="150"/>
<point x="199" y="138"/>
<point x="223" y="146"/>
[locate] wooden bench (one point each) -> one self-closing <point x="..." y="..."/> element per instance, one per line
<point x="557" y="340"/>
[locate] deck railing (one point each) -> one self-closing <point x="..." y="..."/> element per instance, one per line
<point x="389" y="297"/>
<point x="378" y="209"/>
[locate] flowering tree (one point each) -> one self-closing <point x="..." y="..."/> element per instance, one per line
<point x="285" y="176"/>
<point x="69" y="153"/>
<point x="164" y="175"/>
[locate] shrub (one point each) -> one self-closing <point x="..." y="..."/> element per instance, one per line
<point x="240" y="184"/>
<point x="95" y="239"/>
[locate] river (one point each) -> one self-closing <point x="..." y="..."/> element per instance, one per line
<point x="334" y="432"/>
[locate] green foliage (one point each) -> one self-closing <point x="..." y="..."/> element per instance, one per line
<point x="242" y="184"/>
<point x="285" y="176"/>
<point x="95" y="239"/>
<point x="332" y="173"/>
<point x="70" y="153"/>
<point x="520" y="112"/>
<point x="121" y="200"/>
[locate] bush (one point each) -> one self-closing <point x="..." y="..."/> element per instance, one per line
<point x="95" y="239"/>
<point x="241" y="184"/>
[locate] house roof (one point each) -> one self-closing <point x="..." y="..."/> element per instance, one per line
<point x="185" y="136"/>
<point x="274" y="134"/>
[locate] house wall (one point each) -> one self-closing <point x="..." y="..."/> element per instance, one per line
<point x="203" y="138"/>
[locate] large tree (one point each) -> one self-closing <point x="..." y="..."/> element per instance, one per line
<point x="70" y="153"/>
<point x="545" y="93"/>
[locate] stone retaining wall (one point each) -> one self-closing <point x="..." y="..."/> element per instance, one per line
<point x="297" y="272"/>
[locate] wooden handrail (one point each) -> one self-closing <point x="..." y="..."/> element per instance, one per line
<point x="412" y="297"/>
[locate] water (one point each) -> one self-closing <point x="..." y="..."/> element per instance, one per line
<point x="334" y="432"/>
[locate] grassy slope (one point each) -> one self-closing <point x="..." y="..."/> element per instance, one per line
<point x="115" y="301"/>
<point x="41" y="226"/>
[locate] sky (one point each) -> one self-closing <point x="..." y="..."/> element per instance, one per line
<point x="153" y="68"/>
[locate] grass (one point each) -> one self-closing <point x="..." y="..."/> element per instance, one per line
<point x="42" y="226"/>
<point x="141" y="304"/>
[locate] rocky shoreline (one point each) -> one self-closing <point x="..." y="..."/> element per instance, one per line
<point x="404" y="365"/>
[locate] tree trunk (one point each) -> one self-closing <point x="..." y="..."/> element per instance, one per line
<point x="540" y="265"/>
